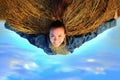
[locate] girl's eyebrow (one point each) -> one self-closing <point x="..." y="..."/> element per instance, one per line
<point x="51" y="33"/>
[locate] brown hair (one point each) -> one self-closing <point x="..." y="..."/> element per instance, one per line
<point x="78" y="16"/>
<point x="59" y="7"/>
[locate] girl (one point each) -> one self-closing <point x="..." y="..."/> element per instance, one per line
<point x="56" y="42"/>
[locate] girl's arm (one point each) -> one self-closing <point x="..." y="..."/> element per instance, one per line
<point x="76" y="41"/>
<point x="108" y="24"/>
<point x="37" y="40"/>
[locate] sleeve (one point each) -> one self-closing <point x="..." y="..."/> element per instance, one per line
<point x="76" y="41"/>
<point x="37" y="40"/>
<point x="106" y="25"/>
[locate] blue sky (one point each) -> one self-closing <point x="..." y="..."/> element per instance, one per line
<point x="97" y="59"/>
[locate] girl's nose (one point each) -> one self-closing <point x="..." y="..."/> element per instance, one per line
<point x="56" y="38"/>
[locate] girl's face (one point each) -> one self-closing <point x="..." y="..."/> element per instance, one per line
<point x="57" y="36"/>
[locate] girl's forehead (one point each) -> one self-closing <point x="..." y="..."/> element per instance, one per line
<point x="57" y="30"/>
<point x="57" y="33"/>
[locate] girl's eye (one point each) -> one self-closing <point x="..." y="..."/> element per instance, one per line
<point x="51" y="36"/>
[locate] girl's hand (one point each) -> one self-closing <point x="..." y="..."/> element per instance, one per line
<point x="116" y="14"/>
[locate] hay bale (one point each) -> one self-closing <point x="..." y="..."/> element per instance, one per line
<point x="79" y="17"/>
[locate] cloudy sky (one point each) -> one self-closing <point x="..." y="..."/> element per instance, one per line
<point x="97" y="59"/>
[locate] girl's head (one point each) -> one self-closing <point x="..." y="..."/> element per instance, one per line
<point x="57" y="33"/>
<point x="57" y="28"/>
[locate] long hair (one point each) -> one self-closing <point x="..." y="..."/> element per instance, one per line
<point x="78" y="16"/>
<point x="59" y="7"/>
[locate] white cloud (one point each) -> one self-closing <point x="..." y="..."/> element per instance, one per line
<point x="90" y="60"/>
<point x="64" y="69"/>
<point x="31" y="66"/>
